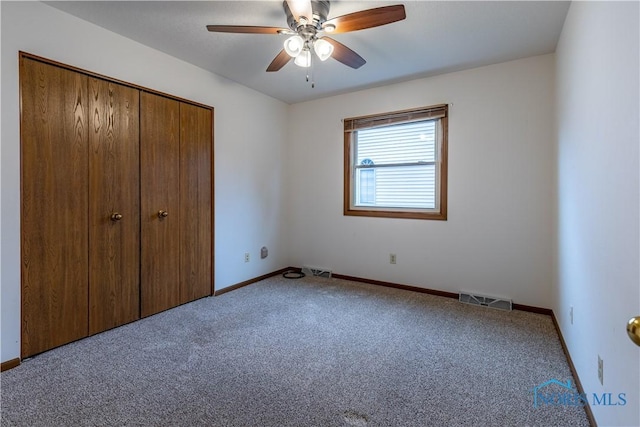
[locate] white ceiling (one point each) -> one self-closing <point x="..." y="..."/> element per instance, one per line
<point x="437" y="37"/>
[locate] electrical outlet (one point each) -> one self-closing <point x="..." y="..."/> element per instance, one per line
<point x="600" y="370"/>
<point x="392" y="258"/>
<point x="246" y="257"/>
<point x="571" y="314"/>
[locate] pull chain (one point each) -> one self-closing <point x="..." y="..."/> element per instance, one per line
<point x="313" y="81"/>
<point x="310" y="77"/>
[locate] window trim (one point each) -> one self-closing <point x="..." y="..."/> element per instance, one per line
<point x="351" y="125"/>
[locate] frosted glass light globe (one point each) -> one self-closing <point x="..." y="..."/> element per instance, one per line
<point x="294" y="45"/>
<point x="323" y="49"/>
<point x="304" y="59"/>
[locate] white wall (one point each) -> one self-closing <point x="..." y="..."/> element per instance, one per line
<point x="598" y="198"/>
<point x="500" y="228"/>
<point x="249" y="170"/>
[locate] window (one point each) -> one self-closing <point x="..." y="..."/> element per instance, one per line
<point x="396" y="164"/>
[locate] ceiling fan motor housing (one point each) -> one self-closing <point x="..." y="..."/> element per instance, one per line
<point x="320" y="12"/>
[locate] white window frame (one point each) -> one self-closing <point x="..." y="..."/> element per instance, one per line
<point x="437" y="113"/>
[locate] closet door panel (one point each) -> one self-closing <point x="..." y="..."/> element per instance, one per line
<point x="160" y="186"/>
<point x="196" y="233"/>
<point x="114" y="205"/>
<point x="54" y="206"/>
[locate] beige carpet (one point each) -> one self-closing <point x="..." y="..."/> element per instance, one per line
<point x="308" y="352"/>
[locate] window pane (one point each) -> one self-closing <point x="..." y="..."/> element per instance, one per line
<point x="404" y="143"/>
<point x="406" y="187"/>
<point x="398" y="187"/>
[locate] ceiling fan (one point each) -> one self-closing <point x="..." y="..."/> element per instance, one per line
<point x="307" y="20"/>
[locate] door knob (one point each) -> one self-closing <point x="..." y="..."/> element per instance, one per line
<point x="633" y="329"/>
<point x="163" y="214"/>
<point x="116" y="216"/>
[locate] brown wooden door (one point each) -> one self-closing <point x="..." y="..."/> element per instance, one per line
<point x="159" y="191"/>
<point x="114" y="205"/>
<point x="54" y="203"/>
<point x="196" y="234"/>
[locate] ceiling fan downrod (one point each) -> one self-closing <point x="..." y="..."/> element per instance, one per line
<point x="319" y="11"/>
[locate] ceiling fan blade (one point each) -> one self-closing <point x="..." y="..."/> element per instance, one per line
<point x="247" y="29"/>
<point x="300" y="8"/>
<point x="367" y="19"/>
<point x="345" y="55"/>
<point x="279" y="61"/>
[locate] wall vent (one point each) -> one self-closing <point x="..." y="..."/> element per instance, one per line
<point x="316" y="271"/>
<point x="485" y="301"/>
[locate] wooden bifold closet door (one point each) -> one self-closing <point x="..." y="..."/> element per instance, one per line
<point x="114" y="206"/>
<point x="54" y="206"/>
<point x="160" y="203"/>
<point x="176" y="194"/>
<point x="80" y="206"/>
<point x="195" y="202"/>
<point x="116" y="203"/>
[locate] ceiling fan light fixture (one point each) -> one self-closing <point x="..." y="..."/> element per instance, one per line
<point x="329" y="28"/>
<point x="323" y="49"/>
<point x="294" y="46"/>
<point x="303" y="59"/>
